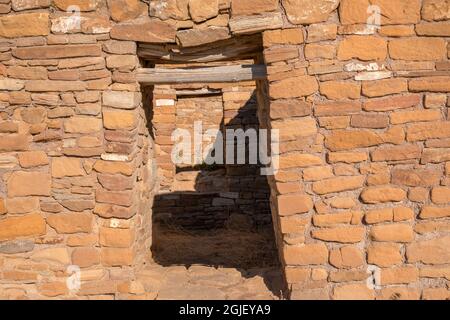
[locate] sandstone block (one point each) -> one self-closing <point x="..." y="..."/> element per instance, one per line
<point x="117" y="256"/>
<point x="22" y="205"/>
<point x="33" y="159"/>
<point x="20" y="5"/>
<point x="66" y="167"/>
<point x="256" y="23"/>
<point x="381" y="194"/>
<point x="197" y="37"/>
<point x="440" y="195"/>
<point x="337" y="108"/>
<point x="54" y="85"/>
<point x="311" y="254"/>
<point x="425" y="131"/>
<point x="122" y="62"/>
<point x="288" y="128"/>
<point x="121" y="99"/>
<point x="364" y="48"/>
<point x="321" y="32"/>
<point x="175" y="9"/>
<point x="119" y="120"/>
<point x="153" y="32"/>
<point x="55" y="255"/>
<point x="339" y="234"/>
<point x="320" y="51"/>
<point x="111" y="211"/>
<point x="384" y="87"/>
<point x="293" y="204"/>
<point x="394" y="135"/>
<point x="432" y="84"/>
<point x="71" y="222"/>
<point x="317" y="173"/>
<point x="16" y="246"/>
<point x="83" y="124"/>
<point x="436" y="294"/>
<point x="298" y="160"/>
<point x="245" y="8"/>
<point x="415" y="116"/>
<point x="346" y="257"/>
<point x="398" y="12"/>
<point x="308" y="12"/>
<point x="384" y="255"/>
<point x="280" y="109"/>
<point x="435" y="10"/>
<point x="392" y="233"/>
<point x="58" y="52"/>
<point x="22" y="184"/>
<point x="338" y="184"/>
<point x="11" y="84"/>
<point x="399" y="275"/>
<point x="435" y="251"/>
<point x="123" y="10"/>
<point x="392" y="103"/>
<point x="202" y="10"/>
<point x="53" y="289"/>
<point x="112" y="167"/>
<point x="396" y="153"/>
<point x="14" y="142"/>
<point x="284" y="36"/>
<point x="84" y="5"/>
<point x="441" y="29"/>
<point x="117" y="238"/>
<point x="85" y="257"/>
<point x="124" y="198"/>
<point x="78" y="205"/>
<point x="27" y="73"/>
<point x="416" y="177"/>
<point x="418" y="49"/>
<point x="23" y="226"/>
<point x="340" y="90"/>
<point x="373" y="121"/>
<point x="24" y="25"/>
<point x="434" y="212"/>
<point x="294" y="87"/>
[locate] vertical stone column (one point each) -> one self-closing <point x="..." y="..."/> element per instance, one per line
<point x="125" y="170"/>
<point x="289" y="110"/>
<point x="163" y="125"/>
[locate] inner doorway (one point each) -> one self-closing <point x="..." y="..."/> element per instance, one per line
<point x="210" y="218"/>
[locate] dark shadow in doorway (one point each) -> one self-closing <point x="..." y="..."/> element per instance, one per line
<point x="225" y="222"/>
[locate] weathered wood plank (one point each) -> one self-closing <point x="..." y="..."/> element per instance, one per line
<point x="202" y="75"/>
<point x="417" y="74"/>
<point x="257" y="23"/>
<point x="232" y="49"/>
<point x="199" y="92"/>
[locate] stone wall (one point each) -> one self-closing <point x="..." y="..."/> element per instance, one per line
<point x="222" y="189"/>
<point x="362" y="195"/>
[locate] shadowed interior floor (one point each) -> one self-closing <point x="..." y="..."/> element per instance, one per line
<point x="235" y="262"/>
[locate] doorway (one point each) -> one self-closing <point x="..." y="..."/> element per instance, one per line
<point x="210" y="218"/>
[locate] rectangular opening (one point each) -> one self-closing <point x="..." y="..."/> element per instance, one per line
<point x="210" y="215"/>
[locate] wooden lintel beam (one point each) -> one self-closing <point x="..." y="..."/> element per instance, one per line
<point x="198" y="92"/>
<point x="228" y="50"/>
<point x="234" y="73"/>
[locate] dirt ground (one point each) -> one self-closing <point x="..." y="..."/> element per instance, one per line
<point x="238" y="262"/>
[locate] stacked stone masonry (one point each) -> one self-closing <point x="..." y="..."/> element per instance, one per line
<point x="363" y="191"/>
<point x="232" y="106"/>
<point x="222" y="189"/>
